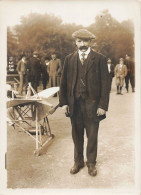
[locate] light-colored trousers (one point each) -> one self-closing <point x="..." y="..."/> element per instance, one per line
<point x="120" y="81"/>
<point x="23" y="82"/>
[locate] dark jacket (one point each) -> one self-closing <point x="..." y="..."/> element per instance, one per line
<point x="96" y="78"/>
<point x="35" y="69"/>
<point x="35" y="66"/>
<point x="45" y="75"/>
<point x="130" y="67"/>
<point x="112" y="71"/>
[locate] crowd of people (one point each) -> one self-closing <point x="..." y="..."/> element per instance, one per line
<point x="124" y="72"/>
<point x="34" y="70"/>
<point x="49" y="72"/>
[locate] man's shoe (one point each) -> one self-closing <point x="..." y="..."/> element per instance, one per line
<point x="92" y="170"/>
<point x="133" y="90"/>
<point x="76" y="168"/>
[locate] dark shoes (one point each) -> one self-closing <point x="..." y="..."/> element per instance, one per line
<point x="92" y="170"/>
<point x="76" y="168"/>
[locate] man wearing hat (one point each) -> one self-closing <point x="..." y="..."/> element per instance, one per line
<point x="130" y="73"/>
<point x="35" y="70"/>
<point x="85" y="90"/>
<point x="54" y="70"/>
<point x="22" y="69"/>
<point x="120" y="74"/>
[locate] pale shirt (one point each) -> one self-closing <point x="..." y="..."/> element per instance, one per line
<point x="109" y="68"/>
<point x="120" y="65"/>
<point x="86" y="53"/>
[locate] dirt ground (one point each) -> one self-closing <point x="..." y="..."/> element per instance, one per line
<point x="116" y="150"/>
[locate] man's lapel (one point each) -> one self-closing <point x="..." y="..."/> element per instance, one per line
<point x="74" y="69"/>
<point x="90" y="61"/>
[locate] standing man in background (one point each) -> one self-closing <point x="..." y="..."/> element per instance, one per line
<point x="120" y="74"/>
<point x="35" y="70"/>
<point x="85" y="90"/>
<point x="130" y="73"/>
<point x="54" y="70"/>
<point x="22" y="70"/>
<point x="45" y="75"/>
<point x="111" y="70"/>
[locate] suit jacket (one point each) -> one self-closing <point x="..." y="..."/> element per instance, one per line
<point x="97" y="82"/>
<point x="130" y="67"/>
<point x="35" y="67"/>
<point x="22" y="67"/>
<point x="120" y="71"/>
<point x="112" y="71"/>
<point x="55" y="67"/>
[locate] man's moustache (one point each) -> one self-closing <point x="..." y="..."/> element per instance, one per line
<point x="83" y="47"/>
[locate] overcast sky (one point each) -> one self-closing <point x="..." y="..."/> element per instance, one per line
<point x="74" y="11"/>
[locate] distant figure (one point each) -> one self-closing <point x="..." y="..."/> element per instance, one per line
<point x="130" y="74"/>
<point x="22" y="70"/>
<point x="111" y="70"/>
<point x="120" y="74"/>
<point x="35" y="70"/>
<point x="45" y="75"/>
<point x="54" y="70"/>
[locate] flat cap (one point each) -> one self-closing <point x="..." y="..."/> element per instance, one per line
<point x="83" y="34"/>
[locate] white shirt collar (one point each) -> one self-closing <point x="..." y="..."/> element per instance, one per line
<point x="120" y="65"/>
<point x="86" y="53"/>
<point x="109" y="67"/>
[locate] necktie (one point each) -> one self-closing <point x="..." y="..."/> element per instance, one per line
<point x="83" y="58"/>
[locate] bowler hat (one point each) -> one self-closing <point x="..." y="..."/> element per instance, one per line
<point x="83" y="34"/>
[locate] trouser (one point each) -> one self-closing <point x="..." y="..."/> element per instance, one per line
<point x="132" y="81"/>
<point x="44" y="84"/>
<point x="120" y="81"/>
<point x="110" y="83"/>
<point x="79" y="121"/>
<point x="34" y="82"/>
<point x="23" y="82"/>
<point x="54" y="81"/>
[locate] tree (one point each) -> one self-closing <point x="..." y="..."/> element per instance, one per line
<point x="12" y="45"/>
<point x="46" y="34"/>
<point x="113" y="39"/>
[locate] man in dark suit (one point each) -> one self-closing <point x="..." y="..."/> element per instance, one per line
<point x="85" y="90"/>
<point x="111" y="71"/>
<point x="35" y="70"/>
<point x="130" y="73"/>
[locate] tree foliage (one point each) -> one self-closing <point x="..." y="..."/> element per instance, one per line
<point x="113" y="39"/>
<point x="46" y="34"/>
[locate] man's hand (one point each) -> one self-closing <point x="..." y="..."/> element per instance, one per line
<point x="67" y="112"/>
<point x="100" y="112"/>
<point x="65" y="107"/>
